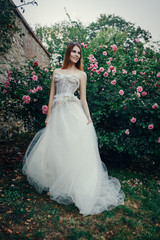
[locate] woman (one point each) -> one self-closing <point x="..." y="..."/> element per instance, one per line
<point x="63" y="158"/>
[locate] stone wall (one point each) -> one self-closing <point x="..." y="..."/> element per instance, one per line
<point x="23" y="48"/>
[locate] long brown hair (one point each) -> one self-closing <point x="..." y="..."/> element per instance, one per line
<point x="66" y="61"/>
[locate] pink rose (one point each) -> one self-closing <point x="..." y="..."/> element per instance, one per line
<point x="4" y="91"/>
<point x="35" y="99"/>
<point x="33" y="73"/>
<point x="127" y="131"/>
<point x="133" y="120"/>
<point x="105" y="74"/>
<point x="114" y="72"/>
<point x="141" y="60"/>
<point x="137" y="40"/>
<point x="134" y="72"/>
<point x="108" y="63"/>
<point x="158" y="74"/>
<point x="26" y="99"/>
<point x="144" y="94"/>
<point x="138" y="94"/>
<point x="135" y="59"/>
<point x="124" y="71"/>
<point x="144" y="52"/>
<point x="91" y="55"/>
<point x="96" y="65"/>
<point x="112" y="67"/>
<point x="34" y="90"/>
<point x="114" y="47"/>
<point x="102" y="89"/>
<point x="110" y="59"/>
<point x="104" y="53"/>
<point x="34" y="77"/>
<point x="93" y="69"/>
<point x="31" y="68"/>
<point x="101" y="69"/>
<point x="97" y="71"/>
<point x="158" y="140"/>
<point x="113" y="82"/>
<point x="150" y="126"/>
<point x="44" y="109"/>
<point x="46" y="70"/>
<point x="139" y="89"/>
<point x="39" y="88"/>
<point x="121" y="92"/>
<point x="155" y="106"/>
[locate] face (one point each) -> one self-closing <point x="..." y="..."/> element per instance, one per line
<point x="75" y="54"/>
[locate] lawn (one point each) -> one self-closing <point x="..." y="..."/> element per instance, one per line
<point x="26" y="214"/>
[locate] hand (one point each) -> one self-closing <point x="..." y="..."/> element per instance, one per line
<point x="89" y="121"/>
<point x="46" y="121"/>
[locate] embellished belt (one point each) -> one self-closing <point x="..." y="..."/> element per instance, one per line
<point x="65" y="98"/>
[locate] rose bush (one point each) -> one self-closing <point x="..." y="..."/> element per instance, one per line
<point x="26" y="93"/>
<point x="125" y="101"/>
<point x="122" y="92"/>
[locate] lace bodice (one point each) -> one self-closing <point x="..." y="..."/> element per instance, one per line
<point x="66" y="83"/>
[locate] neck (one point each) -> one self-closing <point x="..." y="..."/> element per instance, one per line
<point x="71" y="66"/>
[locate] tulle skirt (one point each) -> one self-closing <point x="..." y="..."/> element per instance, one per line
<point x="63" y="159"/>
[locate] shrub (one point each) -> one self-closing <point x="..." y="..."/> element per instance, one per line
<point x="25" y="92"/>
<point x="122" y="91"/>
<point x="123" y="94"/>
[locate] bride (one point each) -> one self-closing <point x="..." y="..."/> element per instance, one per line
<point x="63" y="158"/>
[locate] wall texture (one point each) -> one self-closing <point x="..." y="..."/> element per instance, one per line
<point x="24" y="48"/>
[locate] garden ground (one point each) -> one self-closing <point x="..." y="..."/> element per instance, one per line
<point x="26" y="214"/>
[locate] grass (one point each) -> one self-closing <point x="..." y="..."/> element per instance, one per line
<point x="28" y="215"/>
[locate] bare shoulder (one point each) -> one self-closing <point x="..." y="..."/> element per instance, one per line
<point x="83" y="75"/>
<point x="57" y="70"/>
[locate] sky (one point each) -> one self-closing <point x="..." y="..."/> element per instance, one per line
<point x="143" y="13"/>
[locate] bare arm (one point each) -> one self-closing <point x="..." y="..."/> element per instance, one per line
<point x="83" y="85"/>
<point x="52" y="93"/>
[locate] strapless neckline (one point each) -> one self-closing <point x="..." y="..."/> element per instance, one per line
<point x="63" y="74"/>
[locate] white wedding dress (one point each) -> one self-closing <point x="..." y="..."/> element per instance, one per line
<point x="63" y="158"/>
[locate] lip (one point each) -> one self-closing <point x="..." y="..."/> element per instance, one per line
<point x="76" y="59"/>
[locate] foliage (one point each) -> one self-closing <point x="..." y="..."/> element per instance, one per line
<point x="114" y="27"/>
<point x="7" y="25"/>
<point x="57" y="36"/>
<point x="117" y="103"/>
<point x="111" y="21"/>
<point x="25" y="92"/>
<point x="121" y="114"/>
